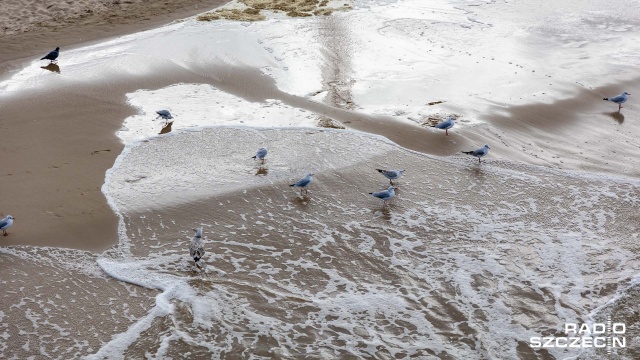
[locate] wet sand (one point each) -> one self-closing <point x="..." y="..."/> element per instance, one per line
<point x="66" y="153"/>
<point x="30" y="29"/>
<point x="58" y="143"/>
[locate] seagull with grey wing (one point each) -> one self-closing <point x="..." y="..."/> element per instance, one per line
<point x="165" y="115"/>
<point x="52" y="55"/>
<point x="196" y="248"/>
<point x="385" y="195"/>
<point x="303" y="183"/>
<point x="261" y="154"/>
<point x="445" y="125"/>
<point x="391" y="174"/>
<point x="479" y="152"/>
<point x="5" y="224"/>
<point x="619" y="99"/>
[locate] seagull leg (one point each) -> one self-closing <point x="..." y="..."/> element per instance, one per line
<point x="5" y="233"/>
<point x="479" y="161"/>
<point x="446" y="131"/>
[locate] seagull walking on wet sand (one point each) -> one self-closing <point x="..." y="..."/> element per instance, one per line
<point x="479" y="152"/>
<point x="391" y="174"/>
<point x="52" y="55"/>
<point x="5" y="224"/>
<point x="385" y="195"/>
<point x="164" y="114"/>
<point x="261" y="154"/>
<point x="619" y="99"/>
<point x="303" y="183"/>
<point x="196" y="248"/>
<point x="445" y="125"/>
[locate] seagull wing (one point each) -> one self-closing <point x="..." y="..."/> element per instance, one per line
<point x="617" y="99"/>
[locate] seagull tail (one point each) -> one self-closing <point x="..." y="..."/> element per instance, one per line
<point x="253" y="157"/>
<point x="292" y="185"/>
<point x="44" y="58"/>
<point x="605" y="99"/>
<point x="467" y="152"/>
<point x="370" y="193"/>
<point x="380" y="170"/>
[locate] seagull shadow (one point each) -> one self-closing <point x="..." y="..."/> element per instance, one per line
<point x="617" y="116"/>
<point x="262" y="171"/>
<point x="302" y="201"/>
<point x="52" y="67"/>
<point x="384" y="211"/>
<point x="166" y="128"/>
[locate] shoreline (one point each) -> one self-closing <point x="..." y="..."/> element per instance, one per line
<point x="22" y="47"/>
<point x="56" y="190"/>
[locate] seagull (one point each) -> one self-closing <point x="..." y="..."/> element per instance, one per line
<point x="479" y="152"/>
<point x="261" y="154"/>
<point x="619" y="99"/>
<point x="196" y="249"/>
<point x="446" y="125"/>
<point x="385" y="195"/>
<point x="391" y="174"/>
<point x="165" y="114"/>
<point x="303" y="183"/>
<point x="52" y="55"/>
<point x="5" y="224"/>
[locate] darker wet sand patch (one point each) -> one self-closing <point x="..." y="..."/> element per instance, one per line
<point x="293" y="8"/>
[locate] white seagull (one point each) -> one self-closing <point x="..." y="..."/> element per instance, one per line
<point x="196" y="248"/>
<point x="619" y="99"/>
<point x="391" y="174"/>
<point x="385" y="195"/>
<point x="445" y="125"/>
<point x="303" y="183"/>
<point x="261" y="154"/>
<point x="5" y="224"/>
<point x="479" y="152"/>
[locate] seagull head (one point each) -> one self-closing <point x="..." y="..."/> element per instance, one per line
<point x="625" y="93"/>
<point x="198" y="232"/>
<point x="57" y="48"/>
<point x="310" y="175"/>
<point x="487" y="146"/>
<point x="391" y="188"/>
<point x="9" y="217"/>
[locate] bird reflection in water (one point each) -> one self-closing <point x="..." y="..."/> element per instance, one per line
<point x="52" y="67"/>
<point x="262" y="171"/>
<point x="166" y="128"/>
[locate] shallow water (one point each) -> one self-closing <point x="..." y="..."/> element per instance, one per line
<point x="469" y="261"/>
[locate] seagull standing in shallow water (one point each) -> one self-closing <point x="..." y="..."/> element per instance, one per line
<point x="391" y="174"/>
<point x="303" y="183"/>
<point x="196" y="249"/>
<point x="479" y="152"/>
<point x="261" y="154"/>
<point x="385" y="195"/>
<point x="5" y="224"/>
<point x="52" y="55"/>
<point x="445" y="125"/>
<point x="619" y="99"/>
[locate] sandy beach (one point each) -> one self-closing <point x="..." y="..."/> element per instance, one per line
<point x="469" y="261"/>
